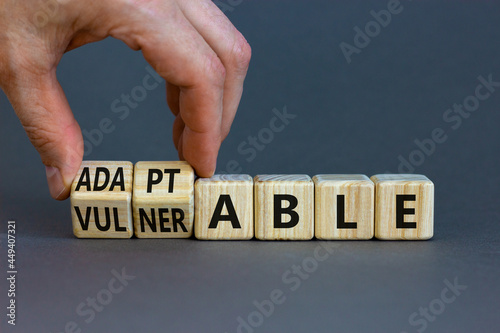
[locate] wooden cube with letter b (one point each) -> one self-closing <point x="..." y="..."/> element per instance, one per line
<point x="163" y="199"/>
<point x="344" y="207"/>
<point x="404" y="207"/>
<point x="101" y="200"/>
<point x="224" y="207"/>
<point x="284" y="207"/>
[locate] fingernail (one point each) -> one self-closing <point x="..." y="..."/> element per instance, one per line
<point x="56" y="183"/>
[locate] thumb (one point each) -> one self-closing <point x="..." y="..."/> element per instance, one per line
<point x="43" y="109"/>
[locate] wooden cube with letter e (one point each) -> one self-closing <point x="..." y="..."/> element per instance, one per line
<point x="163" y="199"/>
<point x="284" y="207"/>
<point x="101" y="200"/>
<point x="224" y="207"/>
<point x="404" y="207"/>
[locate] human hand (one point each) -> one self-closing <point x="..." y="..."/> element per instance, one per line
<point x="190" y="43"/>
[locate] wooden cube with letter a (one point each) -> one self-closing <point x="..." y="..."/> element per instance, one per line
<point x="404" y="207"/>
<point x="163" y="199"/>
<point x="101" y="200"/>
<point x="344" y="207"/>
<point x="224" y="207"/>
<point x="284" y="207"/>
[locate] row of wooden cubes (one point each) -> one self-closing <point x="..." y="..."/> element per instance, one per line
<point x="163" y="200"/>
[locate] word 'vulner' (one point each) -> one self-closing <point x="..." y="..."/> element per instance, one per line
<point x="163" y="200"/>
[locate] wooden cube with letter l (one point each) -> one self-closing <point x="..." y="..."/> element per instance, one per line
<point x="224" y="207"/>
<point x="344" y="207"/>
<point x="284" y="207"/>
<point x="404" y="207"/>
<point x="163" y="199"/>
<point x="101" y="200"/>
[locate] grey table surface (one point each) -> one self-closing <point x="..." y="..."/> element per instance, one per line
<point x="361" y="116"/>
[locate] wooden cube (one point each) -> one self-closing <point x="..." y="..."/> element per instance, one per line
<point x="284" y="207"/>
<point x="224" y="207"/>
<point x="163" y="199"/>
<point x="344" y="207"/>
<point x="101" y="200"/>
<point x="404" y="207"/>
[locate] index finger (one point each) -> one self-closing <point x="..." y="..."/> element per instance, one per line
<point x="182" y="57"/>
<point x="201" y="109"/>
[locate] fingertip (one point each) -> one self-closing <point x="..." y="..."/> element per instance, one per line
<point x="62" y="165"/>
<point x="205" y="171"/>
<point x="58" y="188"/>
<point x="200" y="151"/>
<point x="204" y="168"/>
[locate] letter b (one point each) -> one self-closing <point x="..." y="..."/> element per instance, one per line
<point x="279" y="210"/>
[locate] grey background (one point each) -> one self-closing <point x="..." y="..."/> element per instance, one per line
<point x="351" y="118"/>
